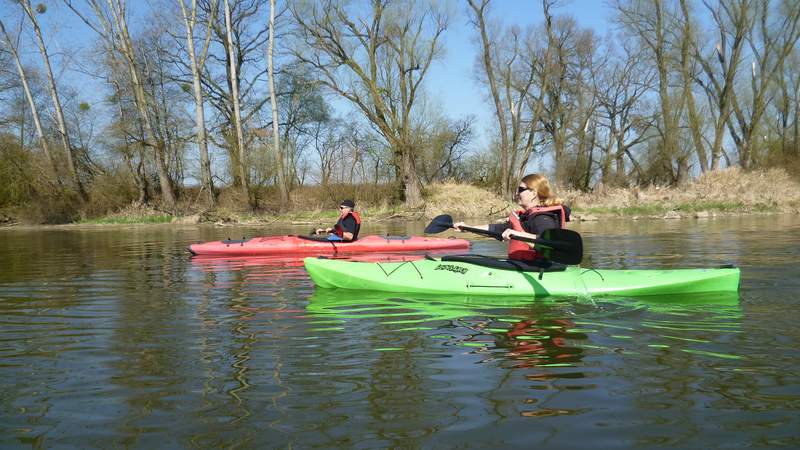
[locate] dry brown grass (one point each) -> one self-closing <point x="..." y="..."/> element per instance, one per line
<point x="463" y="200"/>
<point x="727" y="189"/>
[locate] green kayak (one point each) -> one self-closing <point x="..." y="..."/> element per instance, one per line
<point x="478" y="275"/>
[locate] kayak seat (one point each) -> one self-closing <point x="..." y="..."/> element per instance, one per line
<point x="322" y="239"/>
<point x="507" y="264"/>
<point x="235" y="241"/>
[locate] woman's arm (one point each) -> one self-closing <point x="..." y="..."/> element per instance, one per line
<point x="497" y="228"/>
<point x="458" y="226"/>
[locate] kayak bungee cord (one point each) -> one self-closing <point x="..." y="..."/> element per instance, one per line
<point x="399" y="266"/>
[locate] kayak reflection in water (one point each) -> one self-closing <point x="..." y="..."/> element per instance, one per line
<point x="541" y="343"/>
<point x="541" y="210"/>
<point x="348" y="225"/>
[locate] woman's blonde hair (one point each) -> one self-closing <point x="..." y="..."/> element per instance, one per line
<point x="537" y="182"/>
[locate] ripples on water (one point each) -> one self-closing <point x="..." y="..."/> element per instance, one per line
<point x="114" y="337"/>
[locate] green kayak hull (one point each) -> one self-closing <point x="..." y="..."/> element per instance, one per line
<point x="452" y="277"/>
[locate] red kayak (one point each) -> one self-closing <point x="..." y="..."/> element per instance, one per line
<point x="288" y="245"/>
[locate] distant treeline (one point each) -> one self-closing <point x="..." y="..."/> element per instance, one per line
<point x="231" y="101"/>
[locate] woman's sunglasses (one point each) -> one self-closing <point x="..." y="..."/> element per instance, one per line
<point x="521" y="189"/>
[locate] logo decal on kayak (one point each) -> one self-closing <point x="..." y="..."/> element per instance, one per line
<point x="452" y="268"/>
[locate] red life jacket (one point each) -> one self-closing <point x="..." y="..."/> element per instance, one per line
<point x="339" y="230"/>
<point x="520" y="250"/>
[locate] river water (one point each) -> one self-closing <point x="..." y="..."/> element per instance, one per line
<point x="114" y="337"/>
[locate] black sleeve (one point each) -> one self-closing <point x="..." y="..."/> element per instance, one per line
<point x="499" y="227"/>
<point x="349" y="224"/>
<point x="540" y="222"/>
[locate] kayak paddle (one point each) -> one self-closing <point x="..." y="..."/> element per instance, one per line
<point x="557" y="244"/>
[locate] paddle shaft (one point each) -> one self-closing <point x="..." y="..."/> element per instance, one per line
<point x="499" y="237"/>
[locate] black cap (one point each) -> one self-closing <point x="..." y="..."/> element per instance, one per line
<point x="348" y="203"/>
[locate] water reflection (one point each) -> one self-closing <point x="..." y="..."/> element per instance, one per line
<point x="538" y="332"/>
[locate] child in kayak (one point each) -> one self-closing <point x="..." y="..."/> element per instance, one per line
<point x="348" y="225"/>
<point x="541" y="210"/>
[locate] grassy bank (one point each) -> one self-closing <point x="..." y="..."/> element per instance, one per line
<point x="729" y="191"/>
<point x="723" y="192"/>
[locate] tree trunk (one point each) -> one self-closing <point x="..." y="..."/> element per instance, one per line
<point x="276" y="143"/>
<point x="200" y="120"/>
<point x="142" y="106"/>
<point x="694" y="119"/>
<point x="669" y="130"/>
<point x="138" y="173"/>
<point x="486" y="58"/>
<point x="153" y="141"/>
<point x="237" y="113"/>
<point x="411" y="181"/>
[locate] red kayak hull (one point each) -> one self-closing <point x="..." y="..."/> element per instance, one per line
<point x="291" y="245"/>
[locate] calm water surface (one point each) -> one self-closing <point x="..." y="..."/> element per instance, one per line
<point x="114" y="337"/>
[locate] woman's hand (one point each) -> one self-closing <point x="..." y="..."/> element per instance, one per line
<point x="508" y="233"/>
<point x="511" y="232"/>
<point x="457" y="226"/>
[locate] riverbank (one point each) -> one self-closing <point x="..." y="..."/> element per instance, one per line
<point x="724" y="192"/>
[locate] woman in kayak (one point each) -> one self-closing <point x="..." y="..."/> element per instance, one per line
<point x="541" y="210"/>
<point x="348" y="225"/>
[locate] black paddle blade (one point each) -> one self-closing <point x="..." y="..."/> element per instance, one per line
<point x="561" y="245"/>
<point x="439" y="224"/>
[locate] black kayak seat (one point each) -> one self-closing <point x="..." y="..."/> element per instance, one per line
<point x="323" y="239"/>
<point x="507" y="264"/>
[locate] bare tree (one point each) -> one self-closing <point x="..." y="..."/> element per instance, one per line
<point x="112" y="27"/>
<point x="733" y="21"/>
<point x="621" y="87"/>
<point x="197" y="63"/>
<point x="249" y="37"/>
<point x="75" y="179"/>
<point x="276" y="143"/>
<point x="787" y="104"/>
<point x="378" y="63"/>
<point x="513" y="69"/>
<point x="34" y="109"/>
<point x="770" y="44"/>
<point x="500" y="111"/>
<point x="237" y="112"/>
<point x="687" y="42"/>
<point x="562" y="94"/>
<point x="651" y="22"/>
<point x="132" y="142"/>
